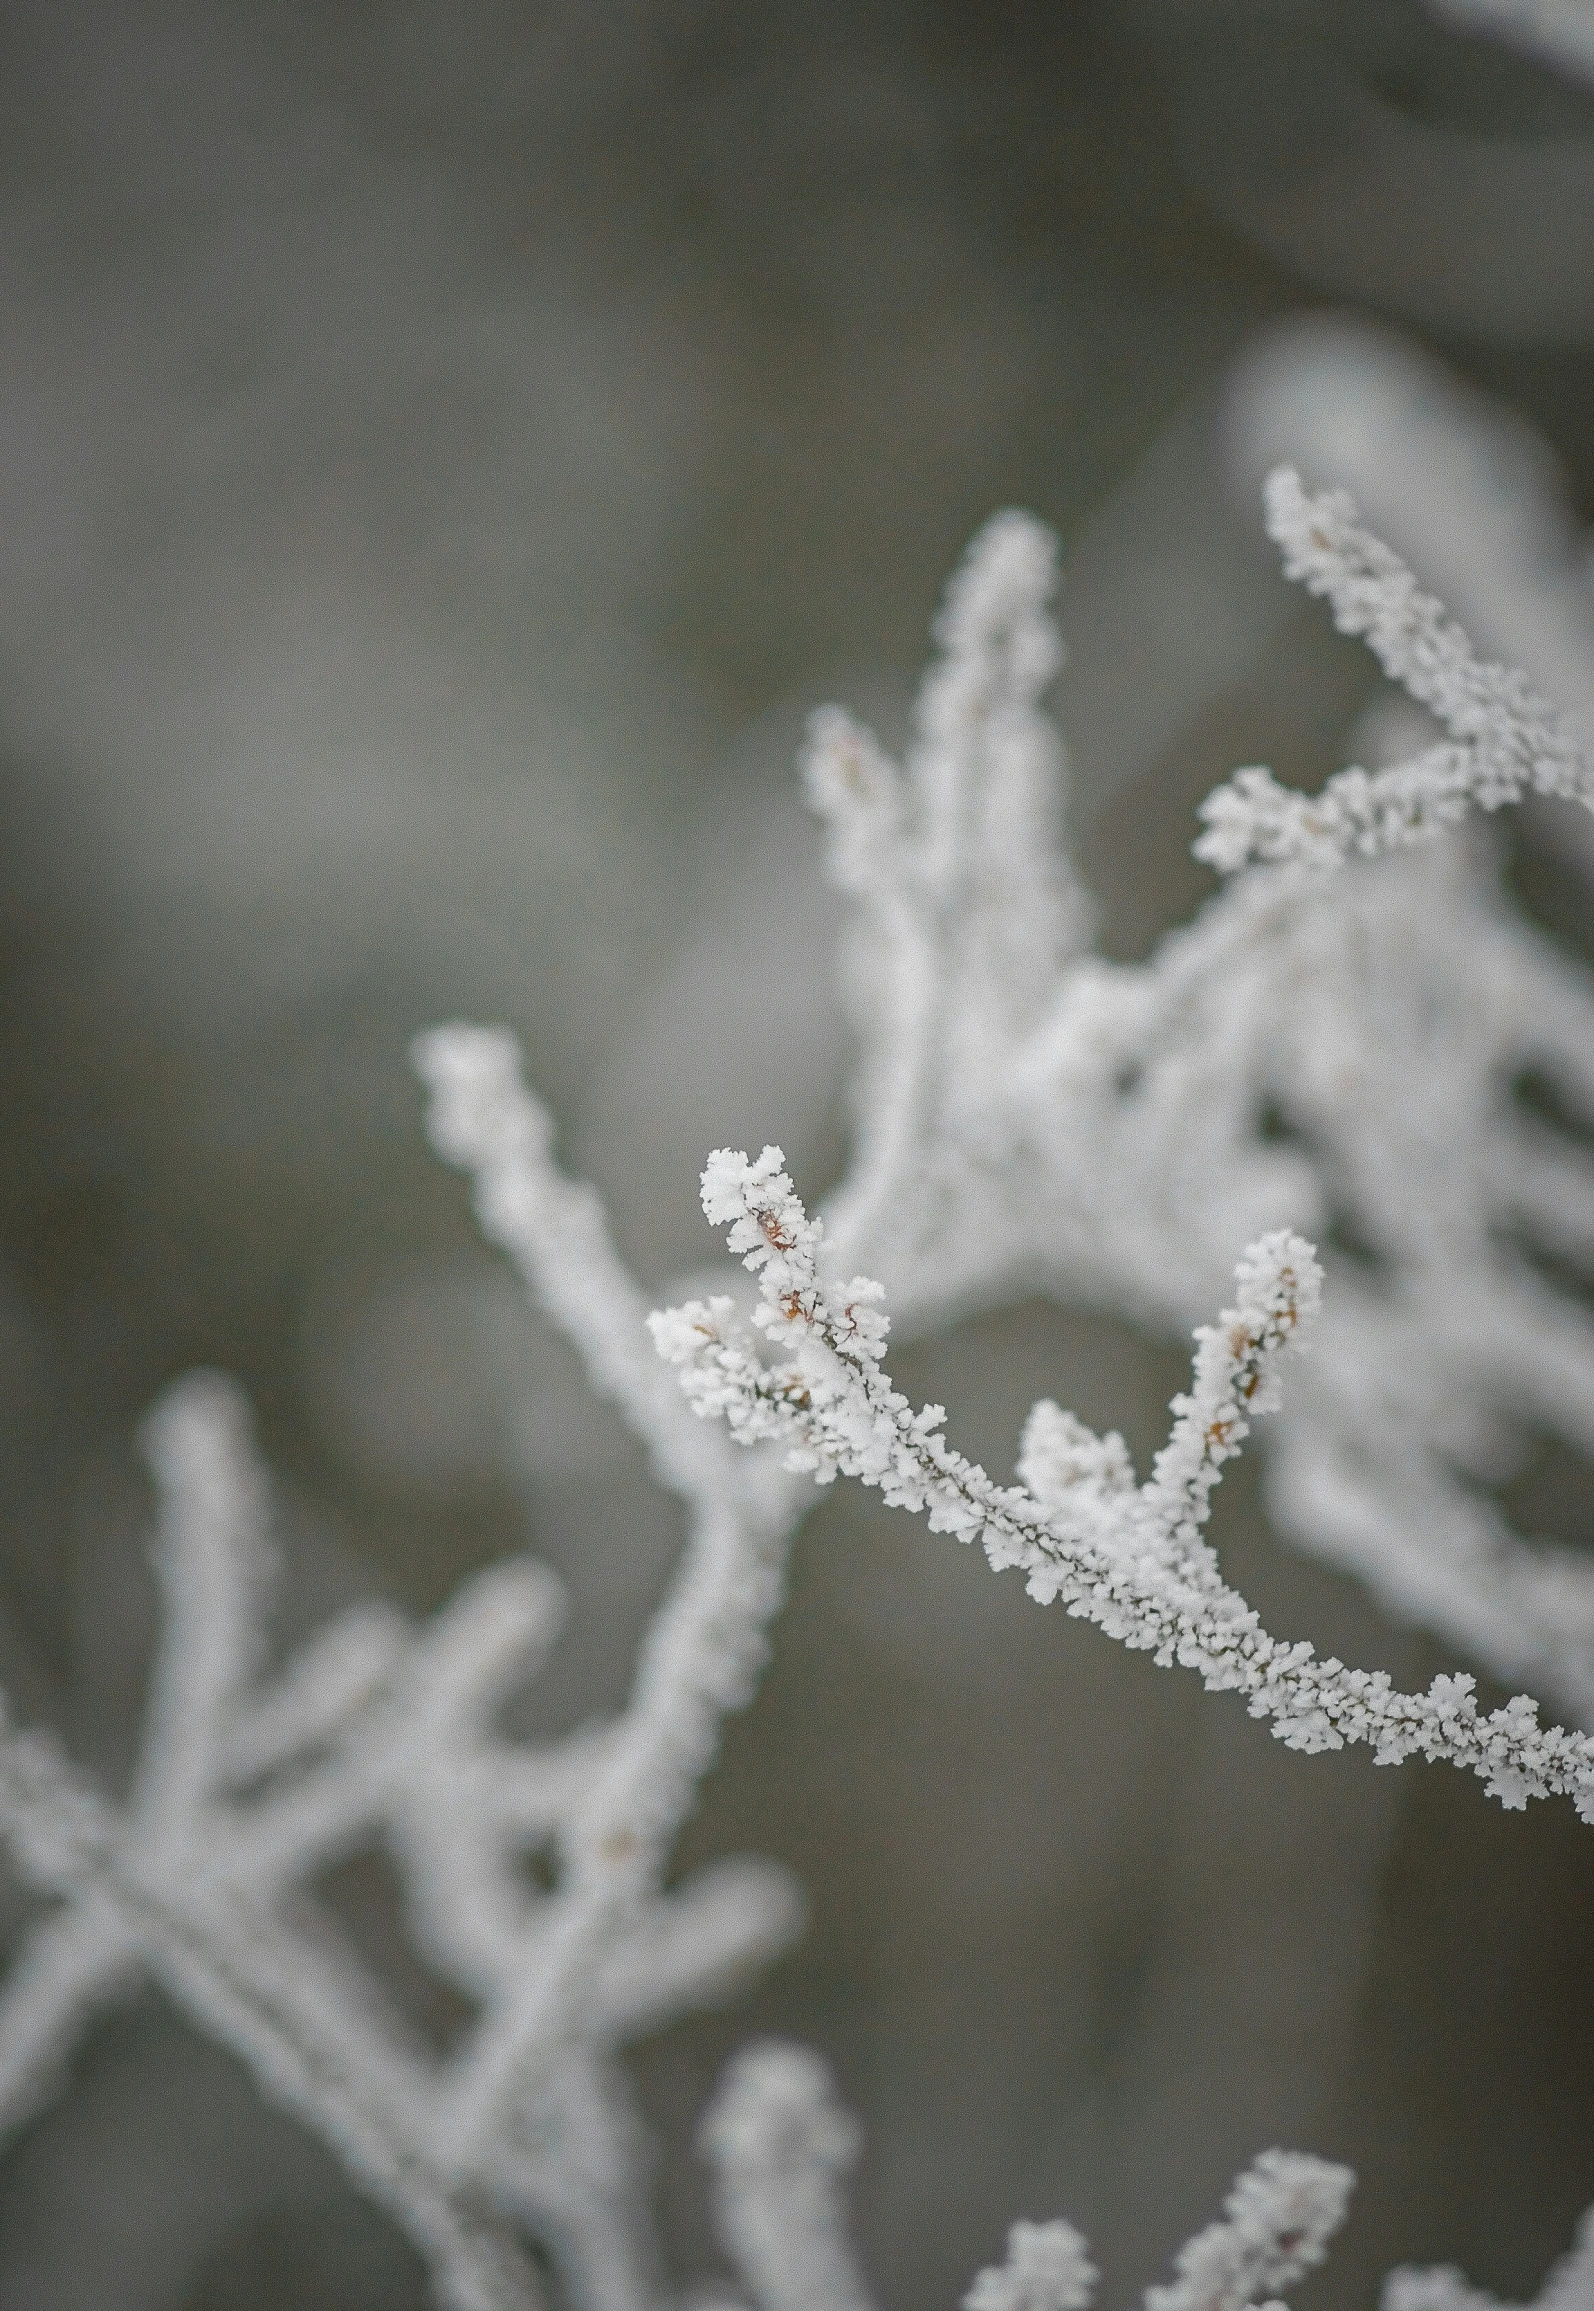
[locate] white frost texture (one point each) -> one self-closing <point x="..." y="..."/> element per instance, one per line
<point x="1337" y="1034"/>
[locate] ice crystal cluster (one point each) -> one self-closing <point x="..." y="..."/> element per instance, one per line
<point x="1336" y="1036"/>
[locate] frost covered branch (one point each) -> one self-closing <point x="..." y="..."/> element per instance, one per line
<point x="1504" y="740"/>
<point x="1033" y="1117"/>
<point x="250" y="1786"/>
<point x="965" y="908"/>
<point x="1130" y="1559"/>
<point x="186" y="1884"/>
<point x="1028" y="1115"/>
<point x="780" y="2145"/>
<point x="1568" y="2286"/>
<point x="704" y="1649"/>
<point x="1048" y="2268"/>
<point x="1276" y="2225"/>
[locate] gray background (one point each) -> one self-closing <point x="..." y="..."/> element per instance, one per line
<point x="443" y="452"/>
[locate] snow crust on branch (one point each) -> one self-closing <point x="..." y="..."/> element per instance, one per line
<point x="1131" y="1560"/>
<point x="1504" y="740"/>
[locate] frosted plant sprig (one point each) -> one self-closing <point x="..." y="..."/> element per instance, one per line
<point x="248" y="1787"/>
<point x="1504" y="740"/>
<point x="1032" y="1116"/>
<point x="1275" y="2227"/>
<point x="1132" y="1561"/>
<point x="965" y="905"/>
<point x="1048" y="2268"/>
<point x="1028" y="1112"/>
<point x="184" y="1884"/>
<point x="781" y="2144"/>
<point x="1568" y="2285"/>
<point x="251" y="1783"/>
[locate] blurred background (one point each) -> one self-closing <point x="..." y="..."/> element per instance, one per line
<point x="444" y="452"/>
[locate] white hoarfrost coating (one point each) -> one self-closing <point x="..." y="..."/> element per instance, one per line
<point x="781" y="2146"/>
<point x="1569" y="2286"/>
<point x="1131" y="1559"/>
<point x="1329" y="1053"/>
<point x="1048" y="2268"/>
<point x="1503" y="741"/>
<point x="1316" y="1049"/>
<point x="248" y="1788"/>
<point x="1276" y="2225"/>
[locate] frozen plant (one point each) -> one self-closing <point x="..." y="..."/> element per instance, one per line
<point x="1319" y="1050"/>
<point x="1501" y="741"/>
<point x="1129" y="1557"/>
<point x="1048" y="2268"/>
<point x="1027" y="1113"/>
<point x="962" y="1192"/>
<point x="250" y="1786"/>
<point x="1569" y="2286"/>
<point x="251" y="1783"/>
<point x="780" y="2145"/>
<point x="1466" y="492"/>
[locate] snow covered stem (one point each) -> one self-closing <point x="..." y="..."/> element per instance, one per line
<point x="1129" y="1557"/>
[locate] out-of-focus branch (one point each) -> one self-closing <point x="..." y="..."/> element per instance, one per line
<point x="1504" y="741"/>
<point x="1557" y="32"/>
<point x="781" y="2145"/>
<point x="248" y="1786"/>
